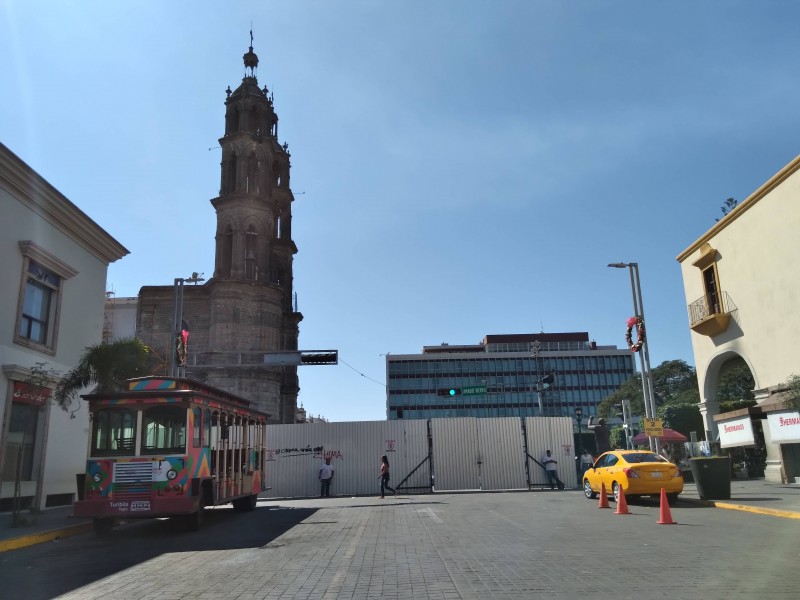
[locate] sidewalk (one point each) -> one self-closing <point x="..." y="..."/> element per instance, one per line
<point x="748" y="495"/>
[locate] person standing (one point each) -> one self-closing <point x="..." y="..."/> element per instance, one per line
<point x="601" y="433"/>
<point x="325" y="477"/>
<point x="587" y="460"/>
<point x="384" y="476"/>
<point x="551" y="469"/>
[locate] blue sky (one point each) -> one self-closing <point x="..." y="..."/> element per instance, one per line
<point x="460" y="168"/>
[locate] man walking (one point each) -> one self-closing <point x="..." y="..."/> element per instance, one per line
<point x="551" y="469"/>
<point x="325" y="477"/>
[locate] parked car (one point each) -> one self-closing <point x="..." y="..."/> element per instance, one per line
<point x="637" y="472"/>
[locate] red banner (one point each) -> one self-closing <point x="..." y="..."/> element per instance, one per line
<point x="31" y="394"/>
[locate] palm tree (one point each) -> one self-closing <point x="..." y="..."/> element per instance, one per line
<point x="105" y="366"/>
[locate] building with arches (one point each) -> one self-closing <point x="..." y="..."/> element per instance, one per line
<point x="743" y="293"/>
<point x="248" y="307"/>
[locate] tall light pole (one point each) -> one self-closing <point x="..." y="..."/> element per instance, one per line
<point x="578" y="418"/>
<point x="644" y="354"/>
<point x="175" y="369"/>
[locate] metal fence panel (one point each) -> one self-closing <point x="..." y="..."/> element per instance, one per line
<point x="455" y="453"/>
<point x="295" y="453"/>
<point x="554" y="434"/>
<point x="502" y="453"/>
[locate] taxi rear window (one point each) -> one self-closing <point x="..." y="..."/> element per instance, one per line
<point x="644" y="457"/>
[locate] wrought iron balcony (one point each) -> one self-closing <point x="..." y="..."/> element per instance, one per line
<point x="711" y="315"/>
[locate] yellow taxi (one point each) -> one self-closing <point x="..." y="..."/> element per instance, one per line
<point x="637" y="472"/>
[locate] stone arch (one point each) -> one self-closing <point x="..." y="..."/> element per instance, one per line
<point x="709" y="403"/>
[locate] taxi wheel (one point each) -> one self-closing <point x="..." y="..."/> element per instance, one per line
<point x="587" y="490"/>
<point x="672" y="498"/>
<point x="615" y="489"/>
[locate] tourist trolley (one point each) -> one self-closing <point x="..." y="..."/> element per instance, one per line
<point x="169" y="447"/>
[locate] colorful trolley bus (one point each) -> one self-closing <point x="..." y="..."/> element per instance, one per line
<point x="168" y="448"/>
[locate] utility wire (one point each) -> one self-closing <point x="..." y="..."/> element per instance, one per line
<point x="360" y="373"/>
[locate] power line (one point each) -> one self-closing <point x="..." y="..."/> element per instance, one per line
<point x="360" y="373"/>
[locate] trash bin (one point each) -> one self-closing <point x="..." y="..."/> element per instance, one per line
<point x="713" y="477"/>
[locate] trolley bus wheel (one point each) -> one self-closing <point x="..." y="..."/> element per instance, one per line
<point x="103" y="526"/>
<point x="194" y="520"/>
<point x="245" y="504"/>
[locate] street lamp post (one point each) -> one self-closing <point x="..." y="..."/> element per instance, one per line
<point x="578" y="417"/>
<point x="176" y="369"/>
<point x="644" y="354"/>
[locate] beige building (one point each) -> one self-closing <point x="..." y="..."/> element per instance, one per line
<point x="247" y="308"/>
<point x="53" y="263"/>
<point x="743" y="294"/>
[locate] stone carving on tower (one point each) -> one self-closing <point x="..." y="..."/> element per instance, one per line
<point x="248" y="307"/>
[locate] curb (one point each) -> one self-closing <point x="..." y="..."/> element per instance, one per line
<point x="772" y="512"/>
<point x="44" y="536"/>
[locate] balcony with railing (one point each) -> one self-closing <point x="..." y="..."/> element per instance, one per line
<point x="711" y="314"/>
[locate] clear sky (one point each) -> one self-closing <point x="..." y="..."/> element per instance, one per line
<point x="460" y="167"/>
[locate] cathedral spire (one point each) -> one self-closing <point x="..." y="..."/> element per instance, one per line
<point x="250" y="59"/>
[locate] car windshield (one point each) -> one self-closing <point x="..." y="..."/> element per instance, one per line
<point x="644" y="457"/>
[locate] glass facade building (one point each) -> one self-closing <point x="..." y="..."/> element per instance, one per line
<point x="539" y="374"/>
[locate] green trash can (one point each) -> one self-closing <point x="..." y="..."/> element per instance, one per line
<point x="713" y="477"/>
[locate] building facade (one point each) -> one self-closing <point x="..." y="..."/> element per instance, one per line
<point x="540" y="374"/>
<point x="742" y="294"/>
<point x="53" y="263"/>
<point x="248" y="307"/>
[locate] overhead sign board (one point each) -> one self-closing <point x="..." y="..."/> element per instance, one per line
<point x="475" y="390"/>
<point x="653" y="427"/>
<point x="784" y="427"/>
<point x="736" y="432"/>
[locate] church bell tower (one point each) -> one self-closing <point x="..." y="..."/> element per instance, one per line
<point x="253" y="306"/>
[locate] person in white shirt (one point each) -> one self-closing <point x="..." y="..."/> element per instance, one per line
<point x="587" y="460"/>
<point x="325" y="477"/>
<point x="551" y="469"/>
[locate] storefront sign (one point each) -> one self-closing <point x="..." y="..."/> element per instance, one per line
<point x="736" y="432"/>
<point x="784" y="426"/>
<point x="31" y="394"/>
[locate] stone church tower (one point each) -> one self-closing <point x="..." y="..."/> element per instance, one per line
<point x="248" y="307"/>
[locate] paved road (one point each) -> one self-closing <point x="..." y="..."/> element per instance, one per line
<point x="512" y="545"/>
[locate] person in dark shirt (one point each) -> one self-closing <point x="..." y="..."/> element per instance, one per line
<point x="601" y="433"/>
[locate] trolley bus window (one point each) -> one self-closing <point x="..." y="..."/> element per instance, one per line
<point x="197" y="418"/>
<point x="207" y="429"/>
<point x="114" y="432"/>
<point x="164" y="430"/>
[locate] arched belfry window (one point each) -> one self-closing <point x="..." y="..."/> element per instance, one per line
<point x="229" y="173"/>
<point x="226" y="252"/>
<point x="232" y="125"/>
<point x="254" y="120"/>
<point x="250" y="253"/>
<point x="252" y="174"/>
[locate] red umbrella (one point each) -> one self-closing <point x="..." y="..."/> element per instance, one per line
<point x="670" y="436"/>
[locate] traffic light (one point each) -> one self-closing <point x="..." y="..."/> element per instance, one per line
<point x="448" y="392"/>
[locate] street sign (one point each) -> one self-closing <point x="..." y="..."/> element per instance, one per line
<point x="475" y="390"/>
<point x="653" y="427"/>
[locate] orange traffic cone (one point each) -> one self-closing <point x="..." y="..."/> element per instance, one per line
<point x="603" y="497"/>
<point x="622" y="504"/>
<point x="665" y="517"/>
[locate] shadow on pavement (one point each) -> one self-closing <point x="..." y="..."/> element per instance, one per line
<point x="25" y="570"/>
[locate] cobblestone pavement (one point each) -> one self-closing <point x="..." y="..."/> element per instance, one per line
<point x="505" y="545"/>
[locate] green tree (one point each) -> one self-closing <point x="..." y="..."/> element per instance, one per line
<point x="792" y="399"/>
<point x="684" y="418"/>
<point x="674" y="382"/>
<point x="735" y="388"/>
<point x="728" y="206"/>
<point x="104" y="366"/>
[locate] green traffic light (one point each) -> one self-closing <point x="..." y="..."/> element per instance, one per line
<point x="452" y="392"/>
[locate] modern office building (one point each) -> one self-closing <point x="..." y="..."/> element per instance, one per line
<point x="534" y="374"/>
